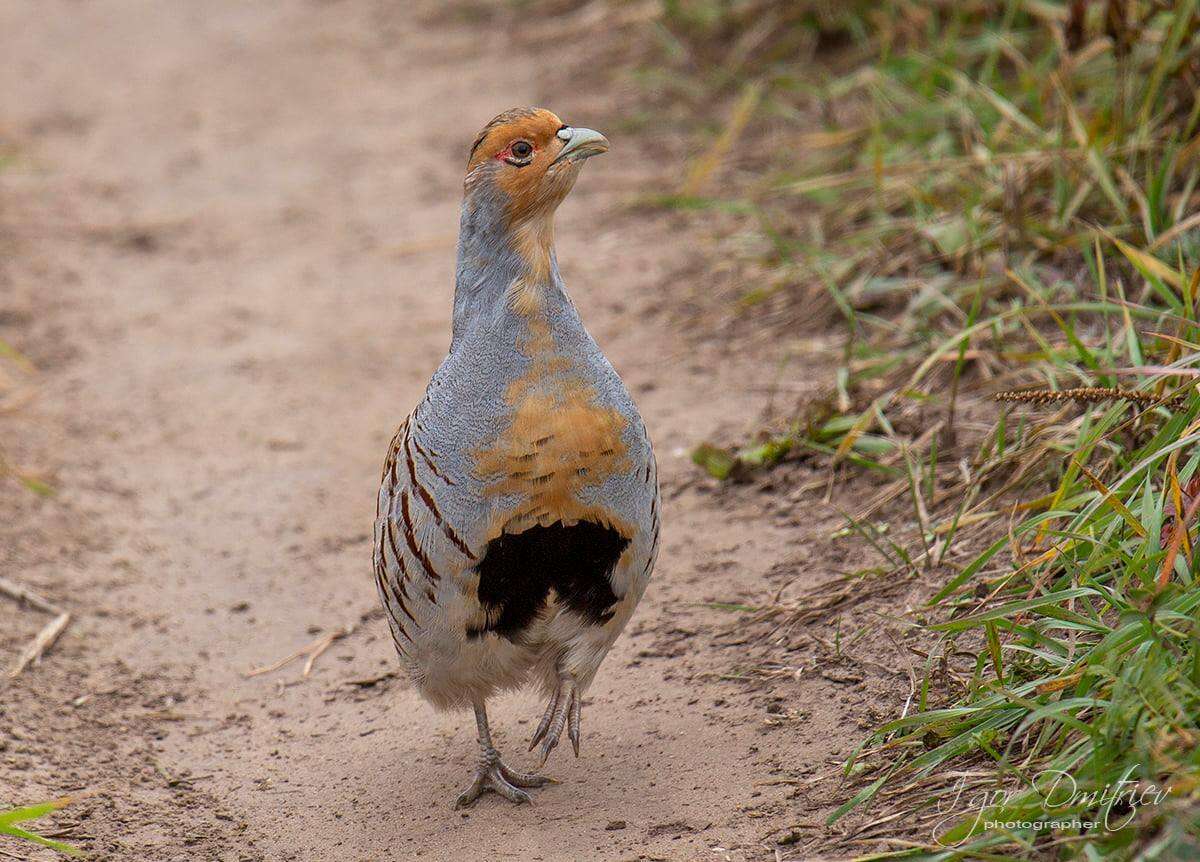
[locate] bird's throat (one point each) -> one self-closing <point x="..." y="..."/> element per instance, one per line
<point x="504" y="268"/>
<point x="533" y="242"/>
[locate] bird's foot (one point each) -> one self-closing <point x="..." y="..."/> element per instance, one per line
<point x="563" y="710"/>
<point x="493" y="775"/>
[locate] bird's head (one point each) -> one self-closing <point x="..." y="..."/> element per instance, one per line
<point x="524" y="162"/>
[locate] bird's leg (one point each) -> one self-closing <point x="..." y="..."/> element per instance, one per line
<point x="491" y="773"/>
<point x="563" y="709"/>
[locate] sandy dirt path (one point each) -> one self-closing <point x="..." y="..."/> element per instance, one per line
<point x="231" y="231"/>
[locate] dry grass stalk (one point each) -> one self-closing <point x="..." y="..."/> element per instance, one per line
<point x="1089" y="395"/>
<point x="703" y="170"/>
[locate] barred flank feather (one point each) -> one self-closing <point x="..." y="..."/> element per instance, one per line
<point x="1090" y="395"/>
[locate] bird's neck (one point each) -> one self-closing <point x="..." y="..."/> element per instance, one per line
<point x="505" y="274"/>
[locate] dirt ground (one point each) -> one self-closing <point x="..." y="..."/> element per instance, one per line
<point x="227" y="240"/>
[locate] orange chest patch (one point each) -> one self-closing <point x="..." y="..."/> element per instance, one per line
<point x="559" y="441"/>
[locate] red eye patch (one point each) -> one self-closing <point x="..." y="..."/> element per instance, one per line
<point x="519" y="150"/>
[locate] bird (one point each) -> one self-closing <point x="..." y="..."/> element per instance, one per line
<point x="518" y="514"/>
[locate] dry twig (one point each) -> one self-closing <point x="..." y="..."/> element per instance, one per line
<point x="312" y="650"/>
<point x="49" y="633"/>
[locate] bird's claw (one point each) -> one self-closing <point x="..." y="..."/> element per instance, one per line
<point x="563" y="710"/>
<point x="493" y="775"/>
<point x="573" y="721"/>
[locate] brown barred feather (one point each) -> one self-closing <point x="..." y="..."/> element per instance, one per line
<point x="410" y="536"/>
<point x="391" y="537"/>
<point x="428" y="500"/>
<point x="426" y="457"/>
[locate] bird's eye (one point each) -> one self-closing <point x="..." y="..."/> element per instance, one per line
<point x="522" y="149"/>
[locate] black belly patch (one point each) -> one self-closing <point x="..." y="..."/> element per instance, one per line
<point x="518" y="572"/>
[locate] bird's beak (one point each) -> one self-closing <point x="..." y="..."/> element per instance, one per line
<point x="580" y="144"/>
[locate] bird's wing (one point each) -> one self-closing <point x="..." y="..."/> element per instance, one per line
<point x="416" y="546"/>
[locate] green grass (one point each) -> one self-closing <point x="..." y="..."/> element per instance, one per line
<point x="19" y="363"/>
<point x="991" y="196"/>
<point x="1084" y="618"/>
<point x="10" y="819"/>
<point x="12" y="359"/>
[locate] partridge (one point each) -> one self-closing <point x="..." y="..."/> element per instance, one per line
<point x="518" y="515"/>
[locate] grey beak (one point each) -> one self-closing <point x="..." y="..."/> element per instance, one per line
<point x="580" y="144"/>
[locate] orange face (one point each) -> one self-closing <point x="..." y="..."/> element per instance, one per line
<point x="533" y="157"/>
